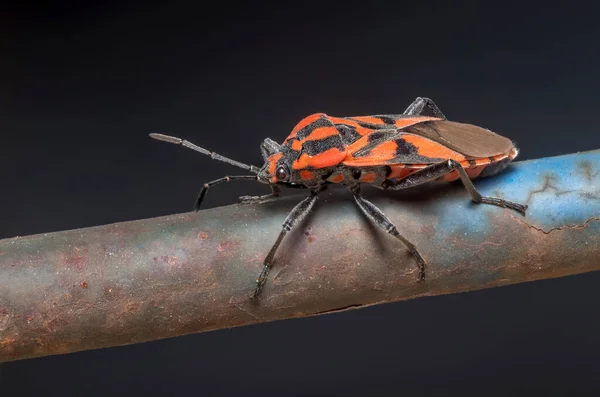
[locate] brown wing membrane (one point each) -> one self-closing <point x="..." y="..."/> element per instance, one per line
<point x="467" y="139"/>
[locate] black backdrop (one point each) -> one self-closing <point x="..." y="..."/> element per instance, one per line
<point x="83" y="85"/>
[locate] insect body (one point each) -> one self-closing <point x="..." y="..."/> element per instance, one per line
<point x="390" y="152"/>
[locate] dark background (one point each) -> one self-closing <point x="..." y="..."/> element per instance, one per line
<point x="82" y="86"/>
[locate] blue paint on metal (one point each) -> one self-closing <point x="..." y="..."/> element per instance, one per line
<point x="560" y="191"/>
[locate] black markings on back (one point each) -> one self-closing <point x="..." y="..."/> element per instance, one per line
<point x="348" y="133"/>
<point x="387" y="119"/>
<point x="305" y="131"/>
<point x="405" y="148"/>
<point x="315" y="147"/>
<point x="289" y="155"/>
<point x="375" y="139"/>
<point x="377" y="136"/>
<point x="491" y="159"/>
<point x="288" y="145"/>
<point x="472" y="162"/>
<point x="360" y="123"/>
<point x="370" y="125"/>
<point x="405" y="152"/>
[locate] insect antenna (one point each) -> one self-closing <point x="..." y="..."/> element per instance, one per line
<point x="213" y="155"/>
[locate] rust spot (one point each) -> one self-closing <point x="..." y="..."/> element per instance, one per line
<point x="202" y="236"/>
<point x="83" y="285"/>
<point x="28" y="318"/>
<point x="227" y="246"/>
<point x="113" y="293"/>
<point x="6" y="342"/>
<point x="132" y="307"/>
<point x="78" y="262"/>
<point x="3" y="318"/>
<point x="54" y="324"/>
<point x="171" y="260"/>
<point x="539" y="229"/>
<point x="308" y="234"/>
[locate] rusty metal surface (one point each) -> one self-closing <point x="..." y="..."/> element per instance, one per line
<point x="149" y="279"/>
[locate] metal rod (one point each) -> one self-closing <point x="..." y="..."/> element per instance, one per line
<point x="149" y="279"/>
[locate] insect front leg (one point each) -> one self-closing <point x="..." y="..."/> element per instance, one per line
<point x="208" y="185"/>
<point x="416" y="108"/>
<point x="437" y="170"/>
<point x="275" y="191"/>
<point x="294" y="217"/>
<point x="377" y="216"/>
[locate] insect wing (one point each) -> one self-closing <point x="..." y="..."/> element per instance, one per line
<point x="467" y="139"/>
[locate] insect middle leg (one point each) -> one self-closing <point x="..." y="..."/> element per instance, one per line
<point x="437" y="170"/>
<point x="377" y="216"/>
<point x="294" y="217"/>
<point x="418" y="105"/>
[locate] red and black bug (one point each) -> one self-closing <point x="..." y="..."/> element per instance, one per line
<point x="390" y="152"/>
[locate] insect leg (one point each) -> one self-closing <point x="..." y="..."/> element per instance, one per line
<point x="416" y="108"/>
<point x="437" y="170"/>
<point x="377" y="216"/>
<point x="218" y="182"/>
<point x="294" y="217"/>
<point x="275" y="190"/>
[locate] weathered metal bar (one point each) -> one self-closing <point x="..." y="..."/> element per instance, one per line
<point x="149" y="279"/>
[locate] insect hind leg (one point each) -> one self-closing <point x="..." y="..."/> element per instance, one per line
<point x="437" y="170"/>
<point x="416" y="108"/>
<point x="377" y="216"/>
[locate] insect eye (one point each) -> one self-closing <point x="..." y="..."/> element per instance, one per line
<point x="281" y="173"/>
